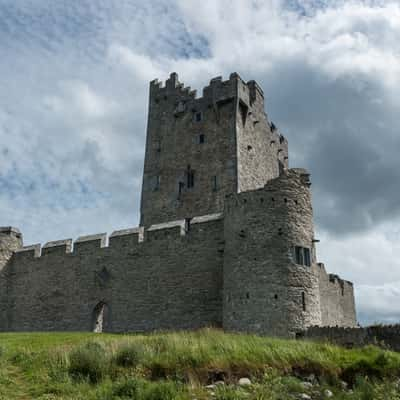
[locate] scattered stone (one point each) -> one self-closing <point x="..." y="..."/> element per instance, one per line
<point x="305" y="396"/>
<point x="310" y="378"/>
<point x="244" y="382"/>
<point x="328" y="393"/>
<point x="219" y="383"/>
<point x="344" y="385"/>
<point x="306" y="385"/>
<point x="212" y="386"/>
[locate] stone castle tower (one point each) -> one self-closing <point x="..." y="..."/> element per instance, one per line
<point x="226" y="235"/>
<point x="199" y="150"/>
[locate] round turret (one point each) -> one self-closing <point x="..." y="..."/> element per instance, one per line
<point x="270" y="274"/>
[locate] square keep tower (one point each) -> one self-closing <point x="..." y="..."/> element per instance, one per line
<point x="198" y="150"/>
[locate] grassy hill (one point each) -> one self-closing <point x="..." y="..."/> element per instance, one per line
<point x="207" y="364"/>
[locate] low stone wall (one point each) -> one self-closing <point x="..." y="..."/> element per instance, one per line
<point x="385" y="336"/>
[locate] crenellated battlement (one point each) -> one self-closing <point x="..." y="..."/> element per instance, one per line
<point x="134" y="236"/>
<point x="58" y="246"/>
<point x="34" y="251"/>
<point x="10" y="231"/>
<point x="334" y="280"/>
<point x="217" y="91"/>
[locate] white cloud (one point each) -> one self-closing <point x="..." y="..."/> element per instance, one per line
<point x="379" y="303"/>
<point x="142" y="66"/>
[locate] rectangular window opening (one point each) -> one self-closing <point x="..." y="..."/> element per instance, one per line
<point x="158" y="146"/>
<point x="187" y="224"/>
<point x="299" y="255"/>
<point x="281" y="167"/>
<point x="303" y="301"/>
<point x="180" y="187"/>
<point x="307" y="257"/>
<point x="190" y="178"/>
<point x="155" y="183"/>
<point x="198" y="116"/>
<point x="243" y="112"/>
<point x="202" y="138"/>
<point x="302" y="256"/>
<point x="215" y="183"/>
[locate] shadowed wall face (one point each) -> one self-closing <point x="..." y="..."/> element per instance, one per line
<point x="10" y="241"/>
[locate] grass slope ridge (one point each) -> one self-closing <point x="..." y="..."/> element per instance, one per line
<point x="181" y="365"/>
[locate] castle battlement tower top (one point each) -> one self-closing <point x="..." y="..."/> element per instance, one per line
<point x="199" y="150"/>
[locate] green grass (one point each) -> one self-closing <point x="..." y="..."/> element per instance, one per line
<point x="180" y="365"/>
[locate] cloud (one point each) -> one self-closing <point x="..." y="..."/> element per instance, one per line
<point x="73" y="104"/>
<point x="379" y="304"/>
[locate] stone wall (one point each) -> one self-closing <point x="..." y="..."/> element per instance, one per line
<point x="337" y="300"/>
<point x="386" y="336"/>
<point x="170" y="280"/>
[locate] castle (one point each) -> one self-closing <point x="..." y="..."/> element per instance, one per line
<point x="226" y="235"/>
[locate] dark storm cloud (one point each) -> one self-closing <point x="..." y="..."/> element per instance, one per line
<point x="346" y="132"/>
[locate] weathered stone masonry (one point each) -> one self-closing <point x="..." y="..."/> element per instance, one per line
<point x="226" y="236"/>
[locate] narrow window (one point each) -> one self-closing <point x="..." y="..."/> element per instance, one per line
<point x="303" y="300"/>
<point x="249" y="148"/>
<point x="243" y="112"/>
<point x="198" y="116"/>
<point x="189" y="178"/>
<point x="202" y="139"/>
<point x="215" y="183"/>
<point x="247" y="295"/>
<point x="281" y="167"/>
<point x="187" y="224"/>
<point x="299" y="255"/>
<point x="155" y="183"/>
<point x="158" y="146"/>
<point x="180" y="187"/>
<point x="307" y="257"/>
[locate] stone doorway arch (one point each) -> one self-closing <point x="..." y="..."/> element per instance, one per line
<point x="99" y="317"/>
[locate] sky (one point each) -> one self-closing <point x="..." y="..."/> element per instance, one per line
<point x="73" y="108"/>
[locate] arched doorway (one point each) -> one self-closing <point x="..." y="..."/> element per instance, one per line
<point x="99" y="317"/>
